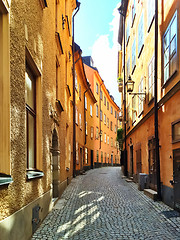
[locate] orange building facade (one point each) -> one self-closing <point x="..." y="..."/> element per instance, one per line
<point x="106" y="114"/>
<point x="84" y="117"/>
<point x="140" y="65"/>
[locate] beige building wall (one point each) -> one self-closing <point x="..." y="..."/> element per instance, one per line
<point x="29" y="36"/>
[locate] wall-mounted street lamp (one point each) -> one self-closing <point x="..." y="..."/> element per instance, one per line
<point x="130" y="87"/>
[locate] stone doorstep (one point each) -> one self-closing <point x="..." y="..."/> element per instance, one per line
<point x="129" y="180"/>
<point x="151" y="193"/>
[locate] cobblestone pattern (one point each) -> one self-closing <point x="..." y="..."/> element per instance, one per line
<point x="102" y="205"/>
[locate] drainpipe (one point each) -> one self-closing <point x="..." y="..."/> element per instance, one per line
<point x="74" y="99"/>
<point x="157" y="157"/>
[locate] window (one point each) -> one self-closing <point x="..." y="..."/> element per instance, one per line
<point x="91" y="110"/>
<point x="151" y="79"/>
<point x="104" y="100"/>
<point x="97" y="155"/>
<point x="5" y="166"/>
<point x="176" y="131"/>
<point x="133" y="56"/>
<point x="76" y="115"/>
<point x="133" y="11"/>
<point x="111" y="142"/>
<point x="105" y="157"/>
<point x="80" y="121"/>
<point x="141" y="35"/>
<point x="96" y="110"/>
<point x="92" y="132"/>
<point x="111" y="110"/>
<point x="30" y="87"/>
<point x="115" y="128"/>
<point x="140" y="99"/>
<point x="170" y="48"/>
<point x="107" y="105"/>
<point x="150" y="13"/>
<point x="111" y="126"/>
<point x="77" y="153"/>
<point x="101" y="157"/>
<point x="86" y="155"/>
<point x="133" y="108"/>
<point x="76" y="82"/>
<point x="128" y="116"/>
<point x="128" y="68"/>
<point x="127" y="31"/>
<point x="108" y="122"/>
<point x="104" y="118"/>
<point x="101" y="135"/>
<point x="80" y="91"/>
<point x="105" y="137"/>
<point x="115" y="114"/>
<point x="101" y="95"/>
<point x="97" y="132"/>
<point x="108" y="140"/>
<point x="101" y="115"/>
<point x="85" y="102"/>
<point x="97" y="86"/>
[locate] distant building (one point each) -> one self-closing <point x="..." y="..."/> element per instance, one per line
<point x="106" y="114"/>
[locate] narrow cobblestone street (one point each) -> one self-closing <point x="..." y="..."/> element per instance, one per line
<point x="102" y="205"/>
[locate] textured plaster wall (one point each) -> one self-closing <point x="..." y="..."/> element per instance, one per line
<point x="40" y="26"/>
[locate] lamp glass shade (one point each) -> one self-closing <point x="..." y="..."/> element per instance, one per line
<point x="130" y="85"/>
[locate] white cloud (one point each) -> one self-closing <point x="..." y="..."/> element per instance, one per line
<point x="105" y="57"/>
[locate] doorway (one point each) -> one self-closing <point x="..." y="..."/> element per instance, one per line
<point x="92" y="159"/>
<point x="81" y="158"/>
<point x="55" y="164"/>
<point x="131" y="161"/>
<point x="152" y="164"/>
<point x="111" y="159"/>
<point x="176" y="178"/>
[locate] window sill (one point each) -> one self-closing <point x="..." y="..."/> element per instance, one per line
<point x="169" y="79"/>
<point x="140" y="51"/>
<point x="140" y="114"/>
<point x="133" y="69"/>
<point x="151" y="101"/>
<point x="5" y="179"/>
<point x="149" y="28"/>
<point x="32" y="174"/>
<point x="175" y="141"/>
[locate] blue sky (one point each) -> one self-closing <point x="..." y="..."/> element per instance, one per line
<point x="92" y="21"/>
<point x="96" y="32"/>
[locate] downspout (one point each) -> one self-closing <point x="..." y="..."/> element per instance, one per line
<point x="74" y="99"/>
<point x="124" y="100"/>
<point x="157" y="157"/>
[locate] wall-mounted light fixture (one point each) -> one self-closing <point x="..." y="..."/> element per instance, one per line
<point x="130" y="87"/>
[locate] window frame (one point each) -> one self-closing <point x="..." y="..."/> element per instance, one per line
<point x="151" y="70"/>
<point x="133" y="56"/>
<point x="141" y="35"/>
<point x="172" y="130"/>
<point x="31" y="112"/>
<point x="168" y="49"/>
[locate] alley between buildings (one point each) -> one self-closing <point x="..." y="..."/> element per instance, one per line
<point x="102" y="205"/>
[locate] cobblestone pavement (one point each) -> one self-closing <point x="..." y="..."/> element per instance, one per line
<point x="102" y="205"/>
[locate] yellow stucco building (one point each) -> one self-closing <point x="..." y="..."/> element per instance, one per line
<point x="138" y="48"/>
<point x="36" y="105"/>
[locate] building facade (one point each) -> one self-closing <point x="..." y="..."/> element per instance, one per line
<point x="106" y="114"/>
<point x="140" y="55"/>
<point x="84" y="120"/>
<point x="35" y="101"/>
